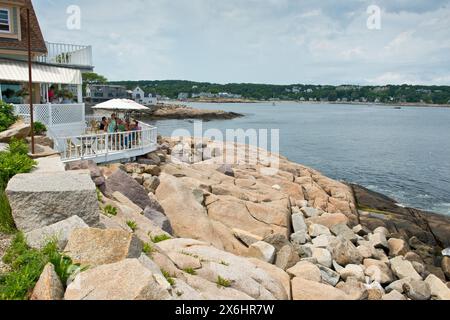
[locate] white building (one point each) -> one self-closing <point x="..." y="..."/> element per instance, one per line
<point x="138" y="94"/>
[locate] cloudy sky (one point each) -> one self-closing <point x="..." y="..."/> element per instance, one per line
<point x="262" y="41"/>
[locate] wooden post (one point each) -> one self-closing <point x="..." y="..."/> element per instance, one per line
<point x="30" y="79"/>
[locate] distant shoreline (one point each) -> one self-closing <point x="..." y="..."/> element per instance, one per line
<point x="240" y="101"/>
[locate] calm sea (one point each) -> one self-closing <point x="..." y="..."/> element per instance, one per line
<point x="404" y="154"/>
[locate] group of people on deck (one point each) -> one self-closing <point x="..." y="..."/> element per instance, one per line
<point x="117" y="125"/>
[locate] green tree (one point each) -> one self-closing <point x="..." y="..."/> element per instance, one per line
<point x="92" y="78"/>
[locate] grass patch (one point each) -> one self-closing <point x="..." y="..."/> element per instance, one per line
<point x="109" y="210"/>
<point x="148" y="249"/>
<point x="99" y="195"/>
<point x="6" y="220"/>
<point x="190" y="271"/>
<point x="160" y="238"/>
<point x="133" y="225"/>
<point x="168" y="277"/>
<point x="27" y="265"/>
<point x="224" y="283"/>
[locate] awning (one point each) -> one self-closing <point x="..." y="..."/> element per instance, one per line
<point x="121" y="105"/>
<point x="17" y="71"/>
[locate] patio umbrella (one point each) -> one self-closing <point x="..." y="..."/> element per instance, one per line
<point x="121" y="105"/>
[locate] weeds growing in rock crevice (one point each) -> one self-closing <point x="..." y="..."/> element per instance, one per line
<point x="224" y="283"/>
<point x="168" y="277"/>
<point x="26" y="266"/>
<point x="109" y="210"/>
<point x="160" y="238"/>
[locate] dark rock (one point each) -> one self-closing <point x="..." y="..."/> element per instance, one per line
<point x="154" y="204"/>
<point x="438" y="272"/>
<point x="121" y="182"/>
<point x="227" y="170"/>
<point x="430" y="228"/>
<point x="329" y="276"/>
<point x="159" y="219"/>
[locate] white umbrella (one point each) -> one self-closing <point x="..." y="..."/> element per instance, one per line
<point x="123" y="105"/>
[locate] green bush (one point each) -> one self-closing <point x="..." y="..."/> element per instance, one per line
<point x="39" y="128"/>
<point x="7" y="117"/>
<point x="27" y="265"/>
<point x="14" y="161"/>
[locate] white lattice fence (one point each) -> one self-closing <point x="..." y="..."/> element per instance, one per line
<point x="52" y="114"/>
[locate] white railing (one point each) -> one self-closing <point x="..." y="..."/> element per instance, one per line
<point x="108" y="146"/>
<point x="68" y="54"/>
<point x="67" y="123"/>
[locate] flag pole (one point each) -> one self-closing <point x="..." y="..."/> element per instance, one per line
<point x="30" y="80"/>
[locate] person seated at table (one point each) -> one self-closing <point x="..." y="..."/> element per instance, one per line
<point x="103" y="124"/>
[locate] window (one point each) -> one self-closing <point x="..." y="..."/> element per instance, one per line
<point x="5" y="25"/>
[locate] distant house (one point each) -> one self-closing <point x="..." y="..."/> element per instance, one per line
<point x="149" y="100"/>
<point x="97" y="93"/>
<point x="138" y="94"/>
<point x="183" y="96"/>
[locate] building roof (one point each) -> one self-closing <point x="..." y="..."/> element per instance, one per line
<point x="17" y="71"/>
<point x="37" y="40"/>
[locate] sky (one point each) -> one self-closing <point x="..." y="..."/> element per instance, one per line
<point x="259" y="41"/>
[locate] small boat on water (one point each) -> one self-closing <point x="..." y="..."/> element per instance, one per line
<point x="398" y="108"/>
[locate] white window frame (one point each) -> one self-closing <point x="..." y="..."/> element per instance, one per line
<point x="9" y="20"/>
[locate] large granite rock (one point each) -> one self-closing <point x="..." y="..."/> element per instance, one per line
<point x="190" y="219"/>
<point x="18" y="131"/>
<point x="125" y="280"/>
<point x="94" y="247"/>
<point x="59" y="231"/>
<point x="121" y="182"/>
<point x="42" y="199"/>
<point x="246" y="280"/>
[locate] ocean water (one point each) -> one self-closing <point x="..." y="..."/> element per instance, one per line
<point x="404" y="154"/>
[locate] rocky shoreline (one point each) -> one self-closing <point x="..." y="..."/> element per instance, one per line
<point x="180" y="112"/>
<point x="179" y="224"/>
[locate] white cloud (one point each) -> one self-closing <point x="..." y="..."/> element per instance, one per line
<point x="272" y="41"/>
